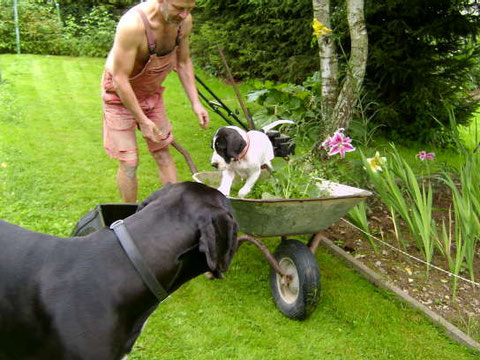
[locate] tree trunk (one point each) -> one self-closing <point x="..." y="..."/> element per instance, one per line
<point x="328" y="59"/>
<point x="349" y="95"/>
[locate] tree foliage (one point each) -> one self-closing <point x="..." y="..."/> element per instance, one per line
<point x="260" y="39"/>
<point x="422" y="53"/>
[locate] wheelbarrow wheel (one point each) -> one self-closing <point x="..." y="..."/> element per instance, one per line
<point x="297" y="293"/>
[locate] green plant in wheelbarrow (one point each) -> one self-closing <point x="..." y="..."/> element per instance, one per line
<point x="292" y="179"/>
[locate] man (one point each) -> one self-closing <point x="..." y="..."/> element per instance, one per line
<point x="150" y="41"/>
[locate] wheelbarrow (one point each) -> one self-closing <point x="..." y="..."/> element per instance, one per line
<point x="294" y="276"/>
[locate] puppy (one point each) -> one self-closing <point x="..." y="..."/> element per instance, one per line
<point x="236" y="151"/>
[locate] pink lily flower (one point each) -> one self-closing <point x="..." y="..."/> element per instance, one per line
<point x="423" y="155"/>
<point x="338" y="144"/>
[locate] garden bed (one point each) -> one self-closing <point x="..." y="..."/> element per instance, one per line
<point x="410" y="275"/>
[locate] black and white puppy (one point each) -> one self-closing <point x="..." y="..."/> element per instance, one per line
<point x="237" y="152"/>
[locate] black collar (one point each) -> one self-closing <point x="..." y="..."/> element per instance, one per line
<point x="137" y="260"/>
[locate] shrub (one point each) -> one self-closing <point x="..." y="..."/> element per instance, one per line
<point x="260" y="39"/>
<point x="40" y="31"/>
<point x="91" y="36"/>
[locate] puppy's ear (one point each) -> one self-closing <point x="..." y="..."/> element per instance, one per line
<point x="235" y="144"/>
<point x="165" y="188"/>
<point x="218" y="239"/>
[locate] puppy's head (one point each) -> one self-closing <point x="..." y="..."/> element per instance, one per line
<point x="228" y="143"/>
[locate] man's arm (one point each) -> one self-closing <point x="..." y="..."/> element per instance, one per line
<point x="130" y="33"/>
<point x="187" y="76"/>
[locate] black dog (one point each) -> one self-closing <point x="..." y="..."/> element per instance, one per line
<point x="81" y="298"/>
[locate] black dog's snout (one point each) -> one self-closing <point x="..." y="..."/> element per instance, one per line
<point x="215" y="165"/>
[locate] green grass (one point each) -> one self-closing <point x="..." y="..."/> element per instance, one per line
<point x="471" y="134"/>
<point x="56" y="170"/>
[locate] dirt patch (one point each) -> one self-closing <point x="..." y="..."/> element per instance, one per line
<point x="434" y="289"/>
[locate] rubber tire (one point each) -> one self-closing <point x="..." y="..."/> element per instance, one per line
<point x="299" y="307"/>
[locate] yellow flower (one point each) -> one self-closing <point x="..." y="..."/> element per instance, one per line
<point x="376" y="162"/>
<point x="3" y="165"/>
<point x="319" y="29"/>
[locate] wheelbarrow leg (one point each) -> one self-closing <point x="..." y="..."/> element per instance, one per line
<point x="263" y="249"/>
<point x="314" y="242"/>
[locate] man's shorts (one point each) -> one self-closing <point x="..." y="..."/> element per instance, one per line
<point x="119" y="137"/>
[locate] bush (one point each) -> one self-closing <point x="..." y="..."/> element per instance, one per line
<point x="421" y="57"/>
<point x="41" y="32"/>
<point x="91" y="36"/>
<point x="260" y="39"/>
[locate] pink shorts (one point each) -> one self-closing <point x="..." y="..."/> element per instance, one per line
<point x="119" y="137"/>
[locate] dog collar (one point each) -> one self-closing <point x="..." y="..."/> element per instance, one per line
<point x="137" y="260"/>
<point x="245" y="149"/>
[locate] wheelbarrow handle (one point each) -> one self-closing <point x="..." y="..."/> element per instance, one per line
<point x="187" y="157"/>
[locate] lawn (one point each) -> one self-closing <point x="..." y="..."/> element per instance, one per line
<point x="471" y="134"/>
<point x="53" y="169"/>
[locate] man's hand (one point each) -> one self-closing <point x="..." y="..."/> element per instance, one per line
<point x="202" y="115"/>
<point x="151" y="131"/>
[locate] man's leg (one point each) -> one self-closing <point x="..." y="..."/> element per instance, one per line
<point x="167" y="171"/>
<point x="127" y="180"/>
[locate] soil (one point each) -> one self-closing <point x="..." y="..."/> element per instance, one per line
<point x="433" y="290"/>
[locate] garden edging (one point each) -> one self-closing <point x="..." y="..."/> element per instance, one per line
<point x="379" y="281"/>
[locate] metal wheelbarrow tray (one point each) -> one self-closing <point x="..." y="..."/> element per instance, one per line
<point x="282" y="217"/>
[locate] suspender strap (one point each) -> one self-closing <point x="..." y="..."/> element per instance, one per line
<point x="137" y="260"/>
<point x="179" y="35"/>
<point x="148" y="31"/>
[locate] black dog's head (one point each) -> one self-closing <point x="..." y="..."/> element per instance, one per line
<point x="204" y="222"/>
<point x="227" y="144"/>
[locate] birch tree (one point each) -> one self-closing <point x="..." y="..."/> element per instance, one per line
<point x="338" y="103"/>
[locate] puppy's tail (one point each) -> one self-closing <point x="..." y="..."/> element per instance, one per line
<point x="269" y="127"/>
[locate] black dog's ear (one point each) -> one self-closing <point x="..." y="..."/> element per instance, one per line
<point x="165" y="188"/>
<point x="218" y="239"/>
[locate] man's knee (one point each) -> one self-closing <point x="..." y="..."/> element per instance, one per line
<point x="129" y="167"/>
<point x="162" y="156"/>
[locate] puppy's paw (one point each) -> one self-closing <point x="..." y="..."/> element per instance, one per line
<point x="224" y="191"/>
<point x="243" y="192"/>
<point x="211" y="276"/>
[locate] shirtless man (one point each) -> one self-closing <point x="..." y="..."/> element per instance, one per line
<point x="150" y="41"/>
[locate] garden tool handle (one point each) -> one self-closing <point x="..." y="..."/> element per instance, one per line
<point x="251" y="125"/>
<point x="186" y="155"/>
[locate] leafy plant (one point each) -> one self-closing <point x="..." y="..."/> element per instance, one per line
<point x="466" y="203"/>
<point x="300" y="103"/>
<point x="293" y="179"/>
<point x="400" y="190"/>
<point x="91" y="35"/>
<point x="358" y="217"/>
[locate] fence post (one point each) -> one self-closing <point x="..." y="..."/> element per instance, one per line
<point x="57" y="10"/>
<point x="17" y="31"/>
